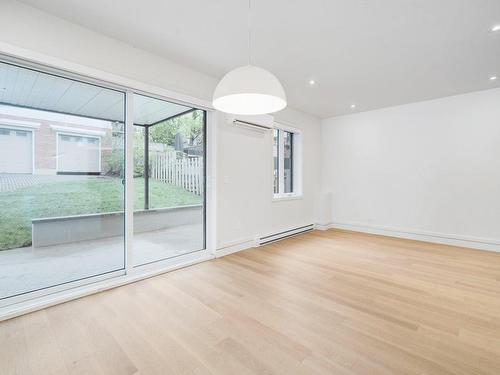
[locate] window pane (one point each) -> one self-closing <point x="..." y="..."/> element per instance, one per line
<point x="169" y="180"/>
<point x="276" y="160"/>
<point x="62" y="201"/>
<point x="288" y="161"/>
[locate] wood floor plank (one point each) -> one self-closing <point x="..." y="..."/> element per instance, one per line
<point x="43" y="353"/>
<point x="326" y="302"/>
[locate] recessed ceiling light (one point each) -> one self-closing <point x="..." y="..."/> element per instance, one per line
<point x="495" y="28"/>
<point x="353" y="106"/>
<point x="312" y="82"/>
<point x="493" y="78"/>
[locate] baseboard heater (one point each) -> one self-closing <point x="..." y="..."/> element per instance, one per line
<point x="285" y="234"/>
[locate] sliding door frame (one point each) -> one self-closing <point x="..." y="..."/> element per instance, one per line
<point x="43" y="298"/>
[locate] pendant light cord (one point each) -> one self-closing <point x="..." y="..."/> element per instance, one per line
<point x="249" y="33"/>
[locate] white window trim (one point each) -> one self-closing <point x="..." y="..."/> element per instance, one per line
<point x="79" y="131"/>
<point x="297" y="164"/>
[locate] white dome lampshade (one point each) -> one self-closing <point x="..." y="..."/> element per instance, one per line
<point x="249" y="90"/>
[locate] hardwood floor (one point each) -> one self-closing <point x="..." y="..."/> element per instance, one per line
<point x="331" y="302"/>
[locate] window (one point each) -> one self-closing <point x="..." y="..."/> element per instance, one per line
<point x="68" y="231"/>
<point x="168" y="181"/>
<point x="287" y="162"/>
<point x="60" y="231"/>
<point x="276" y="161"/>
<point x="285" y="143"/>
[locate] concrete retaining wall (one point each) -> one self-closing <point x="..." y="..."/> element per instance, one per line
<point x="60" y="230"/>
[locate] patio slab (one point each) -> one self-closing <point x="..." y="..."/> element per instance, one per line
<point x="27" y="269"/>
<point x="15" y="181"/>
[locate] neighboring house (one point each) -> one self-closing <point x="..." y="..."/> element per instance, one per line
<point x="39" y="142"/>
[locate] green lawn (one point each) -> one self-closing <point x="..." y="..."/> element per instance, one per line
<point x="86" y="196"/>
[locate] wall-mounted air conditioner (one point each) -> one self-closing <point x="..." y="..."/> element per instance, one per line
<point x="260" y="123"/>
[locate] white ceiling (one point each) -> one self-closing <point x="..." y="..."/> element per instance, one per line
<point x="374" y="53"/>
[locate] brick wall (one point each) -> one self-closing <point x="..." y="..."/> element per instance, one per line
<point x="106" y="149"/>
<point x="45" y="148"/>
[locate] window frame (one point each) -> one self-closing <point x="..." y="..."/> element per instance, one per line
<point x="296" y="162"/>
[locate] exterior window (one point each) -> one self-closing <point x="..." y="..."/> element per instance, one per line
<point x="284" y="156"/>
<point x="276" y="135"/>
<point x="21" y="133"/>
<point x="4" y="132"/>
<point x="288" y="162"/>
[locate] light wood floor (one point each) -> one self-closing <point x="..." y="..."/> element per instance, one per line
<point x="330" y="302"/>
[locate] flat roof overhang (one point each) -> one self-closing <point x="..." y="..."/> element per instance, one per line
<point x="31" y="89"/>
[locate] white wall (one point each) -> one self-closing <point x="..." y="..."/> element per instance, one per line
<point x="430" y="169"/>
<point x="244" y="206"/>
<point x="245" y="183"/>
<point x="32" y="29"/>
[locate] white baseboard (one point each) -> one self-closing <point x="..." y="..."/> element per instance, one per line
<point x="318" y="226"/>
<point x="235" y="246"/>
<point x="441" y="238"/>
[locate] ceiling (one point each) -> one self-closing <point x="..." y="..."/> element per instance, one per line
<point x="372" y="54"/>
<point x="26" y="88"/>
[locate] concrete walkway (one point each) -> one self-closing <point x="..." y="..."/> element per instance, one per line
<point x="26" y="269"/>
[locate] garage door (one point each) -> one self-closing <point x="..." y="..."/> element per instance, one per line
<point x="16" y="151"/>
<point x="78" y="154"/>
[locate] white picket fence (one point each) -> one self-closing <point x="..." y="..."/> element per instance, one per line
<point x="178" y="169"/>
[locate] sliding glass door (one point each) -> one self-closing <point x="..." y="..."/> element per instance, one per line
<point x="169" y="180"/>
<point x="63" y="183"/>
<point x="61" y="180"/>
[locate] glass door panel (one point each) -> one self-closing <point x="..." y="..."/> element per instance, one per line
<point x="61" y="173"/>
<point x="169" y="180"/>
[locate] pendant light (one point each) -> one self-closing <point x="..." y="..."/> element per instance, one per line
<point x="249" y="90"/>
